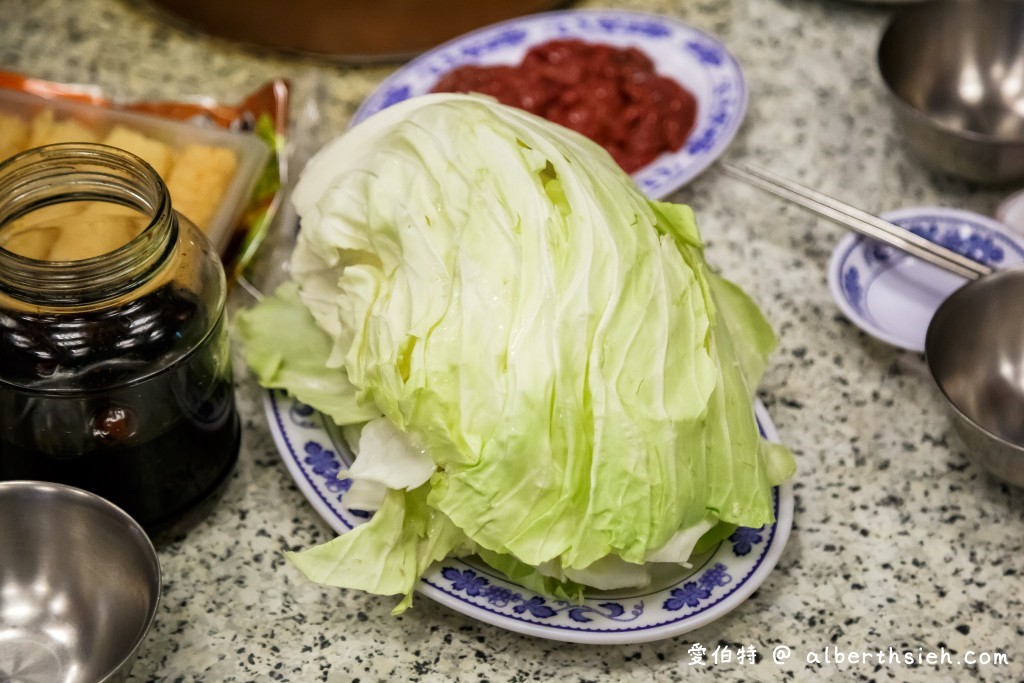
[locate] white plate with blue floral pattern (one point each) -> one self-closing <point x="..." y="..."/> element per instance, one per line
<point x="697" y="61"/>
<point x="685" y="600"/>
<point x="893" y="296"/>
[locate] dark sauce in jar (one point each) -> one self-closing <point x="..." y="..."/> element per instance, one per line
<point x="115" y="368"/>
<point x="158" y="445"/>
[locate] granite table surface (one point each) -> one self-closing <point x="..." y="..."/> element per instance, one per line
<point x="898" y="541"/>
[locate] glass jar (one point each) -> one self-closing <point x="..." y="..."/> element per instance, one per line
<point x="115" y="368"/>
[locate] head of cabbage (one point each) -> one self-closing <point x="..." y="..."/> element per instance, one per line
<point x="532" y="360"/>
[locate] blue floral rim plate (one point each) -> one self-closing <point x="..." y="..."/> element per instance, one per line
<point x="893" y="296"/>
<point x="697" y="61"/>
<point x="679" y="602"/>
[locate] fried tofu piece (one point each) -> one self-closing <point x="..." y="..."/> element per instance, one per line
<point x="74" y="230"/>
<point x="155" y="153"/>
<point x="13" y="135"/>
<point x="93" y="236"/>
<point x="31" y="242"/>
<point x="33" y="235"/>
<point x="46" y="130"/>
<point x="198" y="181"/>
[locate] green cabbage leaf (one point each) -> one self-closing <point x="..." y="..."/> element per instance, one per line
<point x="547" y="372"/>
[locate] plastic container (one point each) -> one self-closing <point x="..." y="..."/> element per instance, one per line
<point x="97" y="123"/>
<point x="115" y="375"/>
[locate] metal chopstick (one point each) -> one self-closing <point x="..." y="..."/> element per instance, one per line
<point x="859" y="221"/>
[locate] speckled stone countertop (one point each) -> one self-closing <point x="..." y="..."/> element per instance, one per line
<point x="898" y="541"/>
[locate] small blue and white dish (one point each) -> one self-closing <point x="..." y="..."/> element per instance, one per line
<point x="893" y="296"/>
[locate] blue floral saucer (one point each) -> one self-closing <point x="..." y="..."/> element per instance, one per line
<point x="679" y="601"/>
<point x="892" y="296"/>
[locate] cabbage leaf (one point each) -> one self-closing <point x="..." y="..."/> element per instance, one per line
<point x="565" y="387"/>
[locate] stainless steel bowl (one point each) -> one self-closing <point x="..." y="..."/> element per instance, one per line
<point x="79" y="586"/>
<point x="955" y="72"/>
<point x="975" y="351"/>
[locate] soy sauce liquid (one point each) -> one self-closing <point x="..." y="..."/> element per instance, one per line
<point x="161" y="447"/>
<point x="115" y="373"/>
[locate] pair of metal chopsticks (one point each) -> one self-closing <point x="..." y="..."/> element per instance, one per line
<point x="859" y="221"/>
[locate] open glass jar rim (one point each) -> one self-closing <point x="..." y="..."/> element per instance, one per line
<point x="83" y="172"/>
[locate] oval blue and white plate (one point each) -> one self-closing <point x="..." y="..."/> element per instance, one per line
<point x="680" y="601"/>
<point x="697" y="61"/>
<point x="893" y="296"/>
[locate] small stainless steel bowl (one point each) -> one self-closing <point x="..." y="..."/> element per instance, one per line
<point x="975" y="351"/>
<point x="79" y="586"/>
<point x="955" y="72"/>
